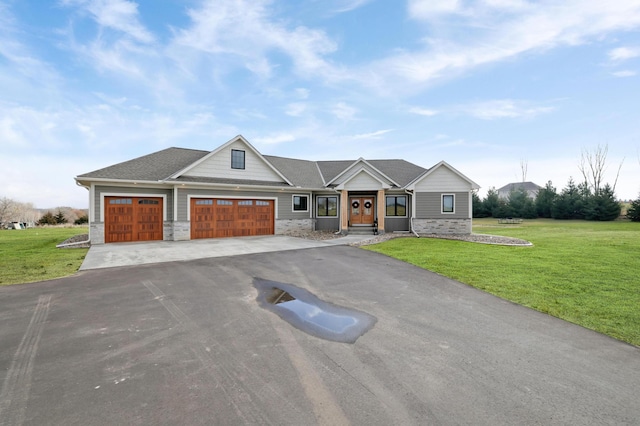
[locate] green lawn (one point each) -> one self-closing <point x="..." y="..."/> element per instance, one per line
<point x="584" y="272"/>
<point x="31" y="255"/>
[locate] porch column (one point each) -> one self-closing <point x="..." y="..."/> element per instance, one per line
<point x="344" y="211"/>
<point x="382" y="206"/>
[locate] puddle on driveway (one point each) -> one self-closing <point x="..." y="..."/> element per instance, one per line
<point x="306" y="312"/>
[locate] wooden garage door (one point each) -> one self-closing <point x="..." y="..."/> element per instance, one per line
<point x="132" y="219"/>
<point x="215" y="217"/>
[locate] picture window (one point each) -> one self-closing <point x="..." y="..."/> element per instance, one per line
<point x="237" y="159"/>
<point x="300" y="203"/>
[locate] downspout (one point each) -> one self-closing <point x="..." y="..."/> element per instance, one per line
<point x="412" y="213"/>
<point x="77" y="243"/>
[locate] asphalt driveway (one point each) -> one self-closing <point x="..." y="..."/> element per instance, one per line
<point x="186" y="343"/>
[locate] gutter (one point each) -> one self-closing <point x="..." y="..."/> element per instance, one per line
<point x="412" y="212"/>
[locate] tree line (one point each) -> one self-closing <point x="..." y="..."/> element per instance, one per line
<point x="574" y="201"/>
<point x="15" y="211"/>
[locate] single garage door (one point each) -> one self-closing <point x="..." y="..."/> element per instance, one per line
<point x="215" y="217"/>
<point x="132" y="219"/>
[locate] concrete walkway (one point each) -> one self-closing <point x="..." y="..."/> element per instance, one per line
<point x="129" y="254"/>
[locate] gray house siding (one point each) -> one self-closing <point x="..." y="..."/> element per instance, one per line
<point x="429" y="205"/>
<point x="392" y="224"/>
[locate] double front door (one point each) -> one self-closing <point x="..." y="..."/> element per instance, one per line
<point x="361" y="210"/>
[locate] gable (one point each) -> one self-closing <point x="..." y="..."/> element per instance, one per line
<point x="363" y="181"/>
<point x="443" y="178"/>
<point x="355" y="170"/>
<point x="218" y="165"/>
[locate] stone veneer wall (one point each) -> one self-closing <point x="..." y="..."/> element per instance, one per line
<point x="288" y="225"/>
<point x="181" y="230"/>
<point x="442" y="226"/>
<point x="96" y="233"/>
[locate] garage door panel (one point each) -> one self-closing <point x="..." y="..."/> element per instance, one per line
<point x="232" y="218"/>
<point x="133" y="219"/>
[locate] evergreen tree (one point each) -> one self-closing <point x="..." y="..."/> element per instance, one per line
<point x="478" y="206"/>
<point x="59" y="217"/>
<point x="634" y="210"/>
<point x="569" y="204"/>
<point x="603" y="205"/>
<point x="47" y="219"/>
<point x="545" y="199"/>
<point x="81" y="220"/>
<point x="517" y="201"/>
<point x="491" y="202"/>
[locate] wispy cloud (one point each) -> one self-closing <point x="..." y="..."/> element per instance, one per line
<point x="275" y="139"/>
<point x="373" y="135"/>
<point x="503" y="108"/>
<point x="423" y="111"/>
<point x="624" y="73"/>
<point x="246" y="32"/>
<point x="343" y="111"/>
<point x="620" y="54"/>
<point x="343" y="6"/>
<point x="494" y="31"/>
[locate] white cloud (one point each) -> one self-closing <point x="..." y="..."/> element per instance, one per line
<point x="624" y="73"/>
<point x="620" y="54"/>
<point x="423" y="111"/>
<point x="425" y="9"/>
<point x="348" y="5"/>
<point x="274" y="139"/>
<point x="373" y="135"/>
<point x="490" y="37"/>
<point x="504" y="108"/>
<point x="118" y="15"/>
<point x="344" y="112"/>
<point x="296" y="109"/>
<point x="247" y="32"/>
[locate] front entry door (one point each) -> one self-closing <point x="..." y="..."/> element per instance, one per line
<point x="361" y="210"/>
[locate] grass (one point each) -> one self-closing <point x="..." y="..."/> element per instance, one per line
<point x="31" y="255"/>
<point x="583" y="272"/>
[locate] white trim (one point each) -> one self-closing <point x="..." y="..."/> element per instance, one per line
<point x="309" y="199"/>
<point x="362" y="160"/>
<point x="92" y="203"/>
<point x="383" y="184"/>
<point x="406" y="206"/>
<point x="442" y="203"/>
<point x="470" y="205"/>
<point x="132" y="195"/>
<point x="337" y="197"/>
<point x="233" y="197"/>
<point x="175" y="203"/>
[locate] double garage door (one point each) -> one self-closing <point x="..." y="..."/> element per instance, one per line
<point x="132" y="219"/>
<point x="216" y="217"/>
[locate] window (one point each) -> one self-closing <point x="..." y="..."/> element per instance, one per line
<point x="262" y="203"/>
<point x="237" y="159"/>
<point x="245" y="202"/>
<point x="224" y="202"/>
<point x="327" y="206"/>
<point x="120" y="201"/>
<point x="396" y="205"/>
<point x="300" y="203"/>
<point x="448" y="202"/>
<point x="204" y="202"/>
<point x="148" y="202"/>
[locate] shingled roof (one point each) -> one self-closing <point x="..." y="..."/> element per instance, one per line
<point x="153" y="167"/>
<point x="160" y="165"/>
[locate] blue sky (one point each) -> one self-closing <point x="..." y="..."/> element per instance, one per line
<point x="484" y="85"/>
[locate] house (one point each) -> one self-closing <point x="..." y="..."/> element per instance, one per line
<point x="182" y="194"/>
<point x="530" y="188"/>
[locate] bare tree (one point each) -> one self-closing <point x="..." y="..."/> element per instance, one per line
<point x="524" y="166"/>
<point x="7" y="209"/>
<point x="593" y="165"/>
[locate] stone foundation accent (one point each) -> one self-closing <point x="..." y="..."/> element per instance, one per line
<point x="442" y="226"/>
<point x="96" y="233"/>
<point x="181" y="231"/>
<point x="284" y="226"/>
